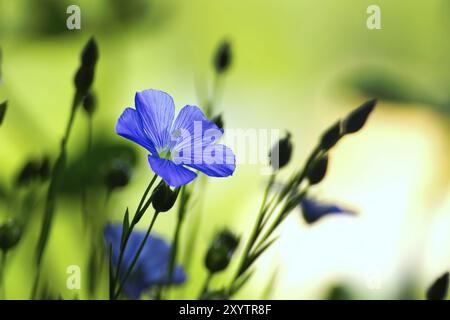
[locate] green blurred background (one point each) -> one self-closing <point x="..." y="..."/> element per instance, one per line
<point x="297" y="65"/>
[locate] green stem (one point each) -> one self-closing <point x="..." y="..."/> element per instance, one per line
<point x="52" y="190"/>
<point x="135" y="220"/>
<point x="136" y="256"/>
<point x="256" y="228"/>
<point x="2" y="274"/>
<point x="205" y="286"/>
<point x="176" y="237"/>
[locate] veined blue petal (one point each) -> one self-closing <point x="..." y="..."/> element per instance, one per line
<point x="130" y="126"/>
<point x="156" y="109"/>
<point x="217" y="160"/>
<point x="173" y="174"/>
<point x="201" y="131"/>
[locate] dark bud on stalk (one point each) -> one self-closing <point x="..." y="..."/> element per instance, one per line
<point x="221" y="251"/>
<point x="89" y="55"/>
<point x="83" y="80"/>
<point x="318" y="169"/>
<point x="44" y="169"/>
<point x="281" y="152"/>
<point x="3" y="107"/>
<point x="358" y="117"/>
<point x="222" y="60"/>
<point x="118" y="175"/>
<point x="331" y="136"/>
<point x="90" y="103"/>
<point x="438" y="290"/>
<point x="85" y="74"/>
<point x="163" y="198"/>
<point x="28" y="173"/>
<point x="218" y="120"/>
<point x="10" y="233"/>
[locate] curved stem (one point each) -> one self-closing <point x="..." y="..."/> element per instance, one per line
<point x="135" y="220"/>
<point x="136" y="256"/>
<point x="257" y="227"/>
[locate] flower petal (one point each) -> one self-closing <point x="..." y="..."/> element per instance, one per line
<point x="129" y="126"/>
<point x="173" y="174"/>
<point x="314" y="210"/>
<point x="191" y="127"/>
<point x="157" y="110"/>
<point x="217" y="160"/>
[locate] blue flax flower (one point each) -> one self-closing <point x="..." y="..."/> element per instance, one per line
<point x="314" y="210"/>
<point x="189" y="141"/>
<point x="152" y="265"/>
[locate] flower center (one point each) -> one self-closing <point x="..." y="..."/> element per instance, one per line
<point x="165" y="153"/>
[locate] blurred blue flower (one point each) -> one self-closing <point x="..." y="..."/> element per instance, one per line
<point x="314" y="210"/>
<point x="187" y="141"/>
<point x="152" y="265"/>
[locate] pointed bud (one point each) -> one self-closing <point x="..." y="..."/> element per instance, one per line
<point x="221" y="251"/>
<point x="89" y="55"/>
<point x="281" y="152"/>
<point x="83" y="80"/>
<point x="358" y="117"/>
<point x="438" y="290"/>
<point x="218" y="120"/>
<point x="222" y="60"/>
<point x="164" y="198"/>
<point x="318" y="169"/>
<point x="118" y="175"/>
<point x="10" y="234"/>
<point x="3" y="107"/>
<point x="331" y="136"/>
<point x="90" y="103"/>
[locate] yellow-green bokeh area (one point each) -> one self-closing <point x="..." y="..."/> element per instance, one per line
<point x="297" y="65"/>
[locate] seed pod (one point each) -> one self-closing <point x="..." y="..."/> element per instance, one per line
<point x="281" y="152"/>
<point x="358" y="117"/>
<point x="164" y="198"/>
<point x="118" y="175"/>
<point x="3" y="107"/>
<point x="222" y="59"/>
<point x="218" y="120"/>
<point x="90" y="103"/>
<point x="83" y="80"/>
<point x="318" y="169"/>
<point x="28" y="173"/>
<point x="10" y="234"/>
<point x="89" y="55"/>
<point x="221" y="251"/>
<point x="331" y="136"/>
<point x="438" y="290"/>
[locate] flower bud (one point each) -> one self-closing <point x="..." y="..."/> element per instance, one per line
<point x="221" y="251"/>
<point x="118" y="175"/>
<point x="28" y="173"/>
<point x="331" y="136"/>
<point x="44" y="169"/>
<point x="90" y="103"/>
<point x="89" y="55"/>
<point x="438" y="290"/>
<point x="318" y="169"/>
<point x="218" y="120"/>
<point x="10" y="233"/>
<point x="222" y="60"/>
<point x="163" y="198"/>
<point x="358" y="117"/>
<point x="3" y="107"/>
<point x="281" y="152"/>
<point x="83" y="80"/>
